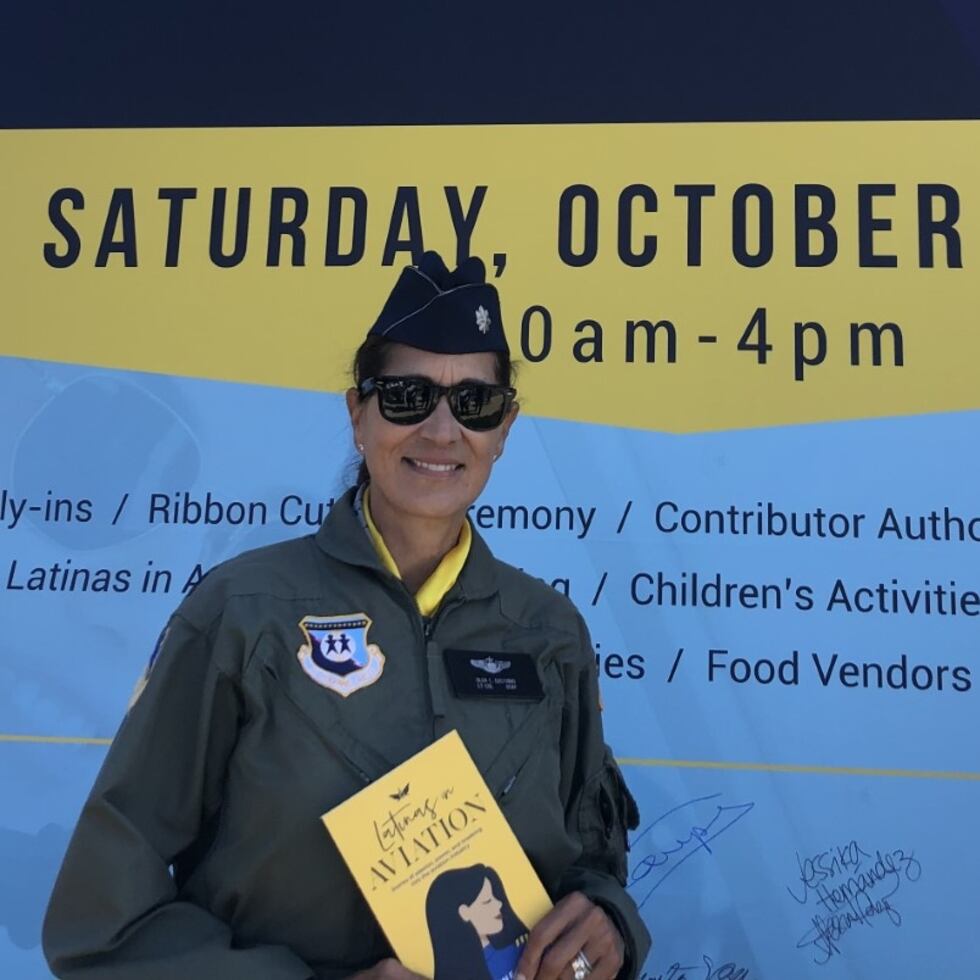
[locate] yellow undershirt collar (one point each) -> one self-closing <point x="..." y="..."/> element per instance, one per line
<point x="435" y="587"/>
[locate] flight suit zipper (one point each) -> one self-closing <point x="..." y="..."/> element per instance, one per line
<point x="434" y="672"/>
<point x="429" y="623"/>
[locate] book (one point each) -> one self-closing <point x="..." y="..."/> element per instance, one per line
<point x="440" y="867"/>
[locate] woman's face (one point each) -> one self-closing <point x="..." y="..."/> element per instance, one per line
<point x="484" y="913"/>
<point x="437" y="468"/>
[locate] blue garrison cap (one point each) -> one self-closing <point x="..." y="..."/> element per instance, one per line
<point x="444" y="312"/>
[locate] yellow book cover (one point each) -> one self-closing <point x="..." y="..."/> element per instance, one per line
<point x="440" y="867"/>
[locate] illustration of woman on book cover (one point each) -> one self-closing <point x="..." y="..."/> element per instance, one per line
<point x="475" y="933"/>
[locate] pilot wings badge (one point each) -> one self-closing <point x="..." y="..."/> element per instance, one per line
<point x="490" y="664"/>
<point x="336" y="653"/>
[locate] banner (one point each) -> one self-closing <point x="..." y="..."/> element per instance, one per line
<point x="749" y="409"/>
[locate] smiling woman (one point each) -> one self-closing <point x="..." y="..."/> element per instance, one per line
<point x="430" y="411"/>
<point x="426" y="471"/>
<point x="295" y="674"/>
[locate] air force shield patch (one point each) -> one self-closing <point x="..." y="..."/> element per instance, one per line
<point x="336" y="653"/>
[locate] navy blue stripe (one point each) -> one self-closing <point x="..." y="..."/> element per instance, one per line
<point x="246" y="63"/>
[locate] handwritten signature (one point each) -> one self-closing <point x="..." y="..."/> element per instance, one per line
<point x="662" y="862"/>
<point x="703" y="971"/>
<point x="851" y="887"/>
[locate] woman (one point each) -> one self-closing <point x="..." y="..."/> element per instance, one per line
<point x="475" y="933"/>
<point x="295" y="674"/>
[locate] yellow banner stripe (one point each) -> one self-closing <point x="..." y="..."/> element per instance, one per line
<point x="635" y="761"/>
<point x="792" y="767"/>
<point x="55" y="739"/>
<point x="663" y="276"/>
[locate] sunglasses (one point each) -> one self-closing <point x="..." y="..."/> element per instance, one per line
<point x="408" y="401"/>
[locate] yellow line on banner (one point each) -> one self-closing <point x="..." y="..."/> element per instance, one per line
<point x="630" y="761"/>
<point x="813" y="770"/>
<point x="56" y="739"/>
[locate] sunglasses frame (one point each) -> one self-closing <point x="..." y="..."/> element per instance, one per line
<point x="451" y="393"/>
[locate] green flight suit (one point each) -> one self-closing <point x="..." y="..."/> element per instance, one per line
<point x="200" y="852"/>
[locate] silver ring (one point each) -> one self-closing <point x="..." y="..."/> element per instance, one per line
<point x="581" y="967"/>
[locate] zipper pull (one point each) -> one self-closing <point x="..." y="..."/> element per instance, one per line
<point x="428" y="625"/>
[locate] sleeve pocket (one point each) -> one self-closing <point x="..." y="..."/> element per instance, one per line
<point x="606" y="813"/>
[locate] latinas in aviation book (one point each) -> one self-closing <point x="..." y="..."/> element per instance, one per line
<point x="440" y="867"/>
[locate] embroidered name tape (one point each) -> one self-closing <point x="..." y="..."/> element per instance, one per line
<point x="476" y="674"/>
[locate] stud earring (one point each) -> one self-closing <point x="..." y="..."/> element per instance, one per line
<point x="360" y="448"/>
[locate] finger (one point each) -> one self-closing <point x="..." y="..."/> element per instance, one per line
<point x="561" y="917"/>
<point x="605" y="956"/>
<point x="595" y="936"/>
<point x="392" y="969"/>
<point x="565" y="948"/>
<point x="568" y="910"/>
<point x="606" y="949"/>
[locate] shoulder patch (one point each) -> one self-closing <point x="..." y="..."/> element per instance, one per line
<point x="337" y="655"/>
<point x="145" y="676"/>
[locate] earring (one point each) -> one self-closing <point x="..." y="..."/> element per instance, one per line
<point x="360" y="448"/>
<point x="496" y="455"/>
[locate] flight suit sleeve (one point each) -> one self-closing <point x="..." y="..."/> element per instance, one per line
<point x="115" y="912"/>
<point x="599" y="812"/>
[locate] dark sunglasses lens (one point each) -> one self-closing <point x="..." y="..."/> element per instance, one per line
<point x="479" y="406"/>
<point x="405" y="401"/>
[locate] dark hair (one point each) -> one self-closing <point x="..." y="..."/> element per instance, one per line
<point x="372" y="356"/>
<point x="456" y="947"/>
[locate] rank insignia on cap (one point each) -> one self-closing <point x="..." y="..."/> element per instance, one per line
<point x="432" y="309"/>
<point x="336" y="653"/>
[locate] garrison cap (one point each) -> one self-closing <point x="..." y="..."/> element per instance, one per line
<point x="444" y="312"/>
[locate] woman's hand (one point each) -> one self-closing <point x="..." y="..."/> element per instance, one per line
<point x="387" y="970"/>
<point x="574" y="925"/>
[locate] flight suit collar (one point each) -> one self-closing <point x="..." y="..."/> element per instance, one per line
<point x="478" y="579"/>
<point x="344" y="537"/>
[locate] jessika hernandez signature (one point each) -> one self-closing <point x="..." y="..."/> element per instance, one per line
<point x="852" y="887"/>
<point x="662" y="862"/>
